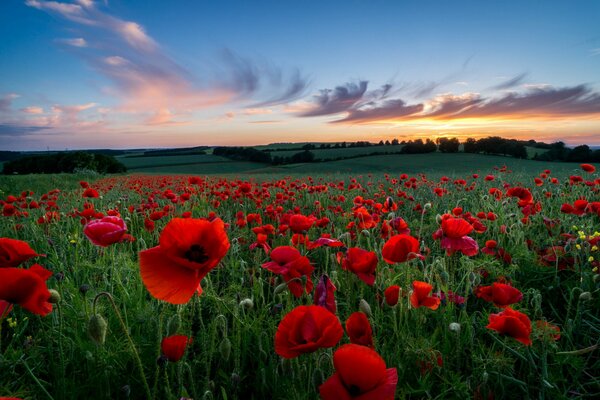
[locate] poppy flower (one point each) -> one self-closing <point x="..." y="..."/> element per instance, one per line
<point x="13" y="252"/>
<point x="500" y="294"/>
<point x="420" y="296"/>
<point x="300" y="223"/>
<point x="524" y="195"/>
<point x="453" y="234"/>
<point x="188" y="250"/>
<point x="27" y="288"/>
<point x="173" y="347"/>
<point x="400" y="248"/>
<point x="306" y="329"/>
<point x="90" y="193"/>
<point x="588" y="168"/>
<point x="360" y="374"/>
<point x="324" y="294"/>
<point x="106" y="231"/>
<point x="391" y="295"/>
<point x="292" y="266"/>
<point x="512" y="323"/>
<point x="361" y="262"/>
<point x="359" y="329"/>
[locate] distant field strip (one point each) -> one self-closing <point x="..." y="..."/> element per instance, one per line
<point x="344" y="152"/>
<point x="136" y="163"/>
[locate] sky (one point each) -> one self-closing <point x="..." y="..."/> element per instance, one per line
<point x="153" y="73"/>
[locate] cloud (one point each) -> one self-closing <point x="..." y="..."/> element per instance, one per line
<point x="576" y="102"/>
<point x="338" y="100"/>
<point x="6" y="101"/>
<point x="11" y="129"/>
<point x="257" y="111"/>
<point x="33" y="110"/>
<point x="148" y="80"/>
<point x="75" y="42"/>
<point x="511" y="83"/>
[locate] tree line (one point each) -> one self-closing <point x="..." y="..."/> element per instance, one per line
<point x="65" y="162"/>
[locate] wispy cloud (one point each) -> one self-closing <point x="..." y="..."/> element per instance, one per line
<point x="8" y="129"/>
<point x="75" y="42"/>
<point x="32" y="110"/>
<point x="6" y="101"/>
<point x="334" y="101"/>
<point x="510" y="83"/>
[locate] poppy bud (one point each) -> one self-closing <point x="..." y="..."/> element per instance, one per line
<point x="438" y="219"/>
<point x="97" y="329"/>
<point x="247" y="304"/>
<point x="54" y="296"/>
<point x="585" y="296"/>
<point x="126" y="390"/>
<point x="444" y="276"/>
<point x="225" y="349"/>
<point x="485" y="197"/>
<point x="454" y="327"/>
<point x="235" y="379"/>
<point x="568" y="247"/>
<point x="173" y="325"/>
<point x="83" y="289"/>
<point x="596" y="278"/>
<point x="280" y="288"/>
<point x="365" y="307"/>
<point x="366" y="232"/>
<point x="427" y="206"/>
<point x="207" y="395"/>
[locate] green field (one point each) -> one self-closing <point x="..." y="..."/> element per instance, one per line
<point x="135" y="163"/>
<point x="331" y="154"/>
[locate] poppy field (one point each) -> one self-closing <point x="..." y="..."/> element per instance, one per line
<point x="376" y="286"/>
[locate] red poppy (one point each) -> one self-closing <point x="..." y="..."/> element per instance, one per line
<point x="90" y="193"/>
<point x="359" y="329"/>
<point x="188" y="250"/>
<point x="173" y="347"/>
<point x="324" y="294"/>
<point x="524" y="195"/>
<point x="400" y="248"/>
<point x="391" y="295"/>
<point x="13" y="252"/>
<point x="27" y="288"/>
<point x="588" y="168"/>
<point x="360" y="374"/>
<point x="500" y="294"/>
<point x="420" y="296"/>
<point x="300" y="223"/>
<point x="306" y="329"/>
<point x="454" y="237"/>
<point x="106" y="231"/>
<point x="288" y="262"/>
<point x="361" y="262"/>
<point x="512" y="323"/>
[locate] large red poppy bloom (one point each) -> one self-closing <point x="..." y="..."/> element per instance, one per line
<point x="454" y="237"/>
<point x="27" y="288"/>
<point x="306" y="329"/>
<point x="400" y="248"/>
<point x="13" y="252"/>
<point x="292" y="266"/>
<point x="588" y="168"/>
<point x="359" y="329"/>
<point x="512" y="323"/>
<point x="524" y="195"/>
<point x="500" y="294"/>
<point x="106" y="231"/>
<point x="360" y="374"/>
<point x="173" y="347"/>
<point x="188" y="250"/>
<point x="420" y="296"/>
<point x="392" y="294"/>
<point x="300" y="223"/>
<point x="361" y="262"/>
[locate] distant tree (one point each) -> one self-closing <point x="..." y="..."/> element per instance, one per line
<point x="387" y="143"/>
<point x="381" y="143"/>
<point x="395" y="142"/>
<point x="580" y="154"/>
<point x="470" y="146"/>
<point x="448" y="145"/>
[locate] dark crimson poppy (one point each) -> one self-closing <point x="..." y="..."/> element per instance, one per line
<point x="360" y="374"/>
<point x="588" y="168"/>
<point x="306" y="329"/>
<point x="106" y="231"/>
<point x="400" y="248"/>
<point x="500" y="294"/>
<point x="524" y="195"/>
<point x="512" y="323"/>
<point x="454" y="237"/>
<point x="27" y="288"/>
<point x="392" y="294"/>
<point x="188" y="250"/>
<point x="361" y="262"/>
<point x="292" y="266"/>
<point x="420" y="296"/>
<point x="324" y="294"/>
<point x="173" y="347"/>
<point x="13" y="252"/>
<point x="359" y="329"/>
<point x="90" y="193"/>
<point x="300" y="223"/>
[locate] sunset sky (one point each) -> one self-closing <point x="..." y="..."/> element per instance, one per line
<point x="157" y="73"/>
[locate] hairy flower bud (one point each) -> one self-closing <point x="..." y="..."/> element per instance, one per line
<point x="97" y="329"/>
<point x="365" y="307"/>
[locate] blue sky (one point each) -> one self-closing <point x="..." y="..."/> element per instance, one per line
<point x="116" y="73"/>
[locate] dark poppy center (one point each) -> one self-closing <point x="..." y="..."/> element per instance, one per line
<point x="353" y="390"/>
<point x="196" y="254"/>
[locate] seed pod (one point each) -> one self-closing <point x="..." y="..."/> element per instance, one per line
<point x="97" y="327"/>
<point x="83" y="289"/>
<point x="365" y="307"/>
<point x="54" y="296"/>
<point x="225" y="349"/>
